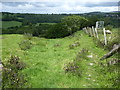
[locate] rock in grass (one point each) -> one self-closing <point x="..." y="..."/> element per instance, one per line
<point x="90" y="56"/>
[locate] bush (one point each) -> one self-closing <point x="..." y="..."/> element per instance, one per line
<point x="114" y="41"/>
<point x="98" y="42"/>
<point x="109" y="27"/>
<point x="72" y="46"/>
<point x="82" y="54"/>
<point x="75" y="67"/>
<point x="12" y="78"/>
<point x="25" y="44"/>
<point x="27" y="36"/>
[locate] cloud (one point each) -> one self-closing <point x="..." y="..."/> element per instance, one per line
<point x="60" y="6"/>
<point x="59" y="0"/>
<point x="102" y="4"/>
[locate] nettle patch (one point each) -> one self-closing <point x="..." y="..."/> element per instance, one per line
<point x="12" y="77"/>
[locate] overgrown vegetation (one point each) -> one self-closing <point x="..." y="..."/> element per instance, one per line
<point x="54" y="61"/>
<point x="26" y="43"/>
<point x="69" y="24"/>
<point x="76" y="44"/>
<point x="75" y="67"/>
<point x="12" y="77"/>
<point x="111" y="18"/>
<point x="45" y="62"/>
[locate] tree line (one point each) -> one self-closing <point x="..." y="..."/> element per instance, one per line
<point x="111" y="18"/>
<point x="66" y="24"/>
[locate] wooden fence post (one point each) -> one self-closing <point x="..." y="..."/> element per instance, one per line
<point x="90" y="32"/>
<point x="96" y="32"/>
<point x="93" y="31"/>
<point x="87" y="31"/>
<point x="105" y="38"/>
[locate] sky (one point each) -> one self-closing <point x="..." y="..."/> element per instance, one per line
<point x="58" y="6"/>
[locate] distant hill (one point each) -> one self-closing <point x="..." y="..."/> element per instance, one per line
<point x="109" y="17"/>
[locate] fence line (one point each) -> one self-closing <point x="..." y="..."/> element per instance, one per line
<point x="94" y="32"/>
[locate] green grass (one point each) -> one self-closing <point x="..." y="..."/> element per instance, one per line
<point x="45" y="61"/>
<point x="7" y="24"/>
<point x="45" y="23"/>
<point x="109" y="36"/>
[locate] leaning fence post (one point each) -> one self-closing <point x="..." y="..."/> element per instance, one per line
<point x="105" y="38"/>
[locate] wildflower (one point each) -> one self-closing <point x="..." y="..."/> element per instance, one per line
<point x="91" y="64"/>
<point x="89" y="75"/>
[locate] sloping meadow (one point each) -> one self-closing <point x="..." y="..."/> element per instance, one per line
<point x="70" y="62"/>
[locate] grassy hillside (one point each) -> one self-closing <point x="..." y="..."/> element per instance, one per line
<point x="47" y="58"/>
<point x="7" y="24"/>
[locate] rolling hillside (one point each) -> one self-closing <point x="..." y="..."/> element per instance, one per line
<point x="7" y="24"/>
<point x="46" y="62"/>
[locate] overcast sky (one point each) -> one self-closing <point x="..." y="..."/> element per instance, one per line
<point x="58" y="6"/>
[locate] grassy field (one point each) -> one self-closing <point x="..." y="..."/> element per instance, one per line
<point x="7" y="24"/>
<point x="47" y="58"/>
<point x="45" y="23"/>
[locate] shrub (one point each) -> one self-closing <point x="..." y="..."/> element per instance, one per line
<point x="75" y="67"/>
<point x="109" y="27"/>
<point x="25" y="44"/>
<point x="114" y="41"/>
<point x="98" y="42"/>
<point x="12" y="78"/>
<point x="82" y="54"/>
<point x="57" y="45"/>
<point x="72" y="46"/>
<point x="27" y="36"/>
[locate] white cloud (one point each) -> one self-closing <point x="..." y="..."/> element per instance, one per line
<point x="26" y="6"/>
<point x="57" y="6"/>
<point x="59" y="0"/>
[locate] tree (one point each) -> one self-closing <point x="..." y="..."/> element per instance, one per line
<point x="74" y="23"/>
<point x="57" y="31"/>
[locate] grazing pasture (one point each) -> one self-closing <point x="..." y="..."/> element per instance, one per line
<point x="51" y="63"/>
<point x="7" y="24"/>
